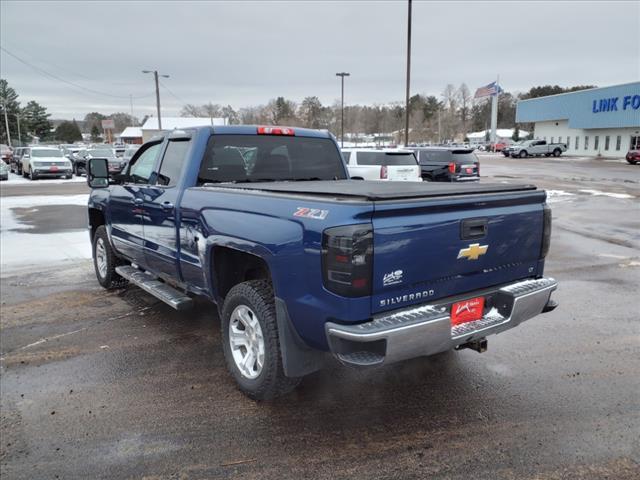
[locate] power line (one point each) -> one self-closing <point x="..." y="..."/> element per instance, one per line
<point x="56" y="77"/>
<point x="68" y="70"/>
<point x="172" y="94"/>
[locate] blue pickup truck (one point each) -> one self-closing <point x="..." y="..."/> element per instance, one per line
<point x="305" y="264"/>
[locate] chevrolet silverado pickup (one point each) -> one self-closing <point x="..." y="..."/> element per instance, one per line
<point x="305" y="264"/>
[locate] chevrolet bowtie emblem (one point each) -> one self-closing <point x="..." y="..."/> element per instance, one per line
<point x="473" y="252"/>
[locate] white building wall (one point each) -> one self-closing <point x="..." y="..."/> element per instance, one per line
<point x="559" y="131"/>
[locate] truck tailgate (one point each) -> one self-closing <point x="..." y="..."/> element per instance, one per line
<point x="431" y="248"/>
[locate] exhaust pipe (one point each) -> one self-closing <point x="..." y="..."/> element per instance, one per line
<point x="479" y="345"/>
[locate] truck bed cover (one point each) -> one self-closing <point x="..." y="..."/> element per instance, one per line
<point x="372" y="190"/>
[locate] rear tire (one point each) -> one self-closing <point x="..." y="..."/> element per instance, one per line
<point x="632" y="162"/>
<point x="250" y="341"/>
<point x="105" y="261"/>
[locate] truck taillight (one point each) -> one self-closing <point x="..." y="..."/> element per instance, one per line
<point x="347" y="260"/>
<point x="276" y="131"/>
<point x="546" y="230"/>
<point x="384" y="173"/>
<point x="452" y="167"/>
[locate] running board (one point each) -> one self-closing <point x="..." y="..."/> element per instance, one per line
<point x="169" y="295"/>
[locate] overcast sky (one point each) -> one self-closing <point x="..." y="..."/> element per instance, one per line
<point x="244" y="53"/>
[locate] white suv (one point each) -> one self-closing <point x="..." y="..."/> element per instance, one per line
<point x="38" y="162"/>
<point x="388" y="164"/>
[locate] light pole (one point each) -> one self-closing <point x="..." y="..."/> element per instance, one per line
<point x="406" y="120"/>
<point x="342" y="75"/>
<point x="155" y="77"/>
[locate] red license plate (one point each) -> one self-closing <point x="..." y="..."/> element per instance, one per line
<point x="53" y="169"/>
<point x="467" y="311"/>
<point x="469" y="170"/>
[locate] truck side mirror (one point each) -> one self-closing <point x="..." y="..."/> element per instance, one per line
<point x="98" y="173"/>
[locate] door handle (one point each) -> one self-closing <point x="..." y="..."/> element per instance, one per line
<point x="167" y="205"/>
<point x="138" y="201"/>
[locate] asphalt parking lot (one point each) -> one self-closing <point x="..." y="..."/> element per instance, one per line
<point x="98" y="384"/>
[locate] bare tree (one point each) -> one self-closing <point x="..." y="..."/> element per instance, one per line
<point x="465" y="98"/>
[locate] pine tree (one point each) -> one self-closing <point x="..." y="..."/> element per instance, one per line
<point x="9" y="100"/>
<point x="35" y="119"/>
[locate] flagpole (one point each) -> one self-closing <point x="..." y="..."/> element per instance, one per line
<point x="494" y="113"/>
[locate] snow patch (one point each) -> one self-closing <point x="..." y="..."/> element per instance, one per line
<point x="22" y="249"/>
<point x="557" y="195"/>
<point x="598" y="193"/>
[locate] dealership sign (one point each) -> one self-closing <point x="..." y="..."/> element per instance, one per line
<point x="611" y="104"/>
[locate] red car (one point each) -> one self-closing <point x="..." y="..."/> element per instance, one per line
<point x="497" y="147"/>
<point x="633" y="157"/>
<point x="6" y="153"/>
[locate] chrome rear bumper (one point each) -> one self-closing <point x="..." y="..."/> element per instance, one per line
<point x="427" y="329"/>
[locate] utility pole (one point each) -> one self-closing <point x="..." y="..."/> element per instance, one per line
<point x="6" y="123"/>
<point x="342" y="75"/>
<point x="155" y="77"/>
<point x="406" y="120"/>
<point x="19" y="136"/>
<point x="131" y="102"/>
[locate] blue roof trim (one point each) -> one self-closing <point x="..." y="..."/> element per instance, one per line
<point x="617" y="106"/>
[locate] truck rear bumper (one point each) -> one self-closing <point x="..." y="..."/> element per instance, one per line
<point x="427" y="329"/>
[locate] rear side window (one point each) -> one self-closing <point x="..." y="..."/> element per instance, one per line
<point x="173" y="162"/>
<point x="465" y="158"/>
<point x="435" y="156"/>
<point x="346" y="156"/>
<point x="241" y="158"/>
<point x="386" y="158"/>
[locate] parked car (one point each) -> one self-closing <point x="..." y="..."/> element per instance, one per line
<point x="6" y="153"/>
<point x="633" y="157"/>
<point x="115" y="164"/>
<point x="15" y="164"/>
<point x="442" y="164"/>
<point x="119" y="148"/>
<point x="305" y="263"/>
<point x="536" y="148"/>
<point x="4" y="171"/>
<point x="388" y="164"/>
<point x="38" y="162"/>
<point x="129" y="153"/>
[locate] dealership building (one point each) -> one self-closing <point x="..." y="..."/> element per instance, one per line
<point x="595" y="122"/>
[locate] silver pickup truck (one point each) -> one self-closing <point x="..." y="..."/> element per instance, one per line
<point x="535" y="148"/>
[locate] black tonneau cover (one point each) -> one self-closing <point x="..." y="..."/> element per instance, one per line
<point x="372" y="190"/>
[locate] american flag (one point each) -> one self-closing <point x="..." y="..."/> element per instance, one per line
<point x="492" y="89"/>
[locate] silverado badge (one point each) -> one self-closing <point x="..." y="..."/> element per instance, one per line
<point x="473" y="252"/>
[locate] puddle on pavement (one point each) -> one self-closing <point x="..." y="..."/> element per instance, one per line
<point x="45" y="219"/>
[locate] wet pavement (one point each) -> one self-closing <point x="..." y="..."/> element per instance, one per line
<point x="98" y="384"/>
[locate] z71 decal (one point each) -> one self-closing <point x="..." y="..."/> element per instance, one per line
<point x="314" y="213"/>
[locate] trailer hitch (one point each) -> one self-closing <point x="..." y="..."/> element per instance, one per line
<point x="479" y="345"/>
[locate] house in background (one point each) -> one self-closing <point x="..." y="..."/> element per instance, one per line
<point x="131" y="135"/>
<point x="503" y="135"/>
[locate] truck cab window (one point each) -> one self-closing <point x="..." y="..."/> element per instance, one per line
<point x="172" y="162"/>
<point x="142" y="167"/>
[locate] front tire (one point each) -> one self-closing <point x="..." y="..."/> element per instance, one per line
<point x="523" y="154"/>
<point x="105" y="261"/>
<point x="557" y="152"/>
<point x="251" y="343"/>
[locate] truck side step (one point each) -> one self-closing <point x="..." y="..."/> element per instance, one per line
<point x="169" y="295"/>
